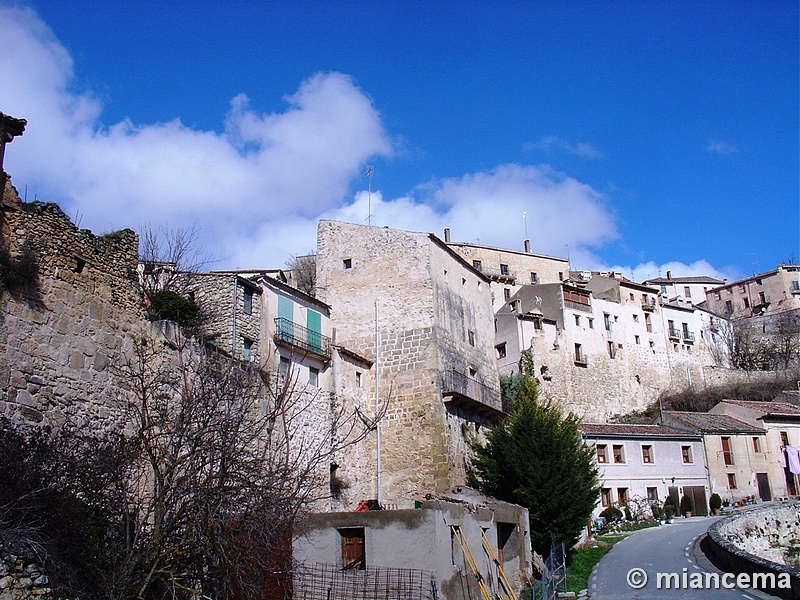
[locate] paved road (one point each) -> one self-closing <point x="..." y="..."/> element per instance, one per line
<point x="666" y="549"/>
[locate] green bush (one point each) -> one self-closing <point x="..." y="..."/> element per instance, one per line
<point x="687" y="504"/>
<point x="715" y="502"/>
<point x="612" y="514"/>
<point x="168" y="305"/>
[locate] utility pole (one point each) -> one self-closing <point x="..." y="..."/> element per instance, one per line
<point x="368" y="174"/>
<point x="10" y="128"/>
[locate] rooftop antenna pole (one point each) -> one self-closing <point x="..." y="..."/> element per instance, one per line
<point x="525" y="220"/>
<point x="368" y="174"/>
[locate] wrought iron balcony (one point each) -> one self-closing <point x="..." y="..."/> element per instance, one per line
<point x="290" y="333"/>
<point x="580" y="358"/>
<point x="461" y="387"/>
<point x="674" y="333"/>
<point x="688" y="336"/>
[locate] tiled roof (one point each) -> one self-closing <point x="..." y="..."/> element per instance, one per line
<point x="630" y="430"/>
<point x="708" y="423"/>
<point x="698" y="279"/>
<point x="775" y="409"/>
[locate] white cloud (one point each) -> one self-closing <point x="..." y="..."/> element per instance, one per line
<point x="256" y="190"/>
<point x="721" y="147"/>
<point x="651" y="270"/>
<point x="262" y="169"/>
<point x="552" y="143"/>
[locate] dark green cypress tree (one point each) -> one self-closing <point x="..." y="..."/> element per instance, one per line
<point x="535" y="458"/>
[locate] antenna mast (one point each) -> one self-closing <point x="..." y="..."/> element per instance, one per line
<point x="368" y="174"/>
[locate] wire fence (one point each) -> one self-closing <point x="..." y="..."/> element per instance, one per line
<point x="330" y="582"/>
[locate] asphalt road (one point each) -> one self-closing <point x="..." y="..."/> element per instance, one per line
<point x="665" y="549"/>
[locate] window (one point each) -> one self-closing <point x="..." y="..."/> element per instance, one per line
<point x="637" y="340"/>
<point x="762" y="297"/>
<point x="248" y="301"/>
<point x="500" y="350"/>
<point x="795" y="286"/>
<point x="506" y="294"/>
<point x="632" y="298"/>
<point x="635" y="318"/>
<point x="602" y="453"/>
<point x="605" y="496"/>
<point x="580" y="358"/>
<point x="746" y="302"/>
<point x="717" y="296"/>
<point x="353" y="549"/>
<point x="471" y="337"/>
<point x="358" y="379"/>
<point x="756" y="445"/>
<point x="577" y="320"/>
<point x="728" y="307"/>
<point x="652" y="494"/>
<point x="347" y="263"/>
<point x="727" y="455"/>
<point x="611" y="351"/>
<point x="283" y="368"/>
<point x="246" y="348"/>
<point x="477" y="264"/>
<point x="607" y="321"/>
<point x="504" y="270"/>
<point x="313" y="376"/>
<point x="648" y="324"/>
<point x="741" y="288"/>
<point x="622" y="496"/>
<point x="591" y="323"/>
<point x="560" y="276"/>
<point x="731" y="481"/>
<point x="686" y="454"/>
<point x="647" y="454"/>
<point x="534" y="277"/>
<point x="687" y="291"/>
<point x="619" y="454"/>
<point x="784" y="438"/>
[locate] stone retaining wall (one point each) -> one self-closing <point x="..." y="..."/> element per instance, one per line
<point x="756" y="541"/>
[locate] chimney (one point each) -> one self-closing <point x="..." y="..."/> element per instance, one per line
<point x="527" y="244"/>
<point x="669" y="274"/>
<point x="446" y="235"/>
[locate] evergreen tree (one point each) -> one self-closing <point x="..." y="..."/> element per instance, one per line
<point x="535" y="457"/>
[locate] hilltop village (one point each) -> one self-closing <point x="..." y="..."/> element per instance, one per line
<point x="411" y="333"/>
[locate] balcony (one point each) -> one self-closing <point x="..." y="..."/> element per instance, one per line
<point x="460" y="388"/>
<point x="580" y="359"/>
<point x="289" y="333"/>
<point x="688" y="337"/>
<point x="674" y="333"/>
<point x="648" y="307"/>
<point x="499" y="275"/>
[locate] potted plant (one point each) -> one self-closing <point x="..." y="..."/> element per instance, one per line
<point x="658" y="513"/>
<point x="687" y="506"/>
<point x="715" y="504"/>
<point x="669" y="510"/>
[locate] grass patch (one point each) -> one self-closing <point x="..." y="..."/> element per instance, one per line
<point x="582" y="560"/>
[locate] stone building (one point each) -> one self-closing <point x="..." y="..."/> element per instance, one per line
<point x="423" y="316"/>
<point x="60" y="334"/>
<point x="691" y="289"/>
<point x="509" y="270"/>
<point x="768" y="293"/>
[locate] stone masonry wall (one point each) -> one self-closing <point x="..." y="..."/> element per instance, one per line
<point x="56" y="349"/>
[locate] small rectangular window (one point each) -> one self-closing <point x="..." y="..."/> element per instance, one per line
<point x="622" y="496"/>
<point x="756" y="445"/>
<point x="500" y="350"/>
<point x="686" y="454"/>
<point x="358" y="379"/>
<point x="605" y="496"/>
<point x="353" y="549"/>
<point x="647" y="454"/>
<point x="727" y="454"/>
<point x="687" y="291"/>
<point x="248" y="301"/>
<point x="652" y="494"/>
<point x="347" y="263"/>
<point x="477" y="265"/>
<point x="619" y="454"/>
<point x="560" y="276"/>
<point x="504" y="270"/>
<point x="246" y="350"/>
<point x="471" y="337"/>
<point x="534" y="277"/>
<point x="313" y="376"/>
<point x="637" y="340"/>
<point x="506" y="294"/>
<point x="577" y="320"/>
<point x="602" y="454"/>
<point x="731" y="481"/>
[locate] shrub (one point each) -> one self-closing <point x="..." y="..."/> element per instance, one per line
<point x="168" y="305"/>
<point x="658" y="512"/>
<point x="687" y="504"/>
<point x="715" y="502"/>
<point x="612" y="514"/>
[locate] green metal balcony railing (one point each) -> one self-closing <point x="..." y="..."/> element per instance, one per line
<point x="289" y="332"/>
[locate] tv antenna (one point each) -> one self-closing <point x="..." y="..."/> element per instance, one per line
<point x="368" y="175"/>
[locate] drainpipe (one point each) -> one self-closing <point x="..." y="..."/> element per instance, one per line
<point x="233" y="325"/>
<point x="377" y="412"/>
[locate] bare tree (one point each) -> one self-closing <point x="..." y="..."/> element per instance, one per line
<point x="169" y="257"/>
<point x="304" y="272"/>
<point x="230" y="458"/>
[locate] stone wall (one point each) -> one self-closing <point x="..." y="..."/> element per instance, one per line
<point x="757" y="541"/>
<point x="22" y="578"/>
<point x="56" y="345"/>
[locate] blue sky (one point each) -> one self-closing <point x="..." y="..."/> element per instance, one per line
<point x="642" y="136"/>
